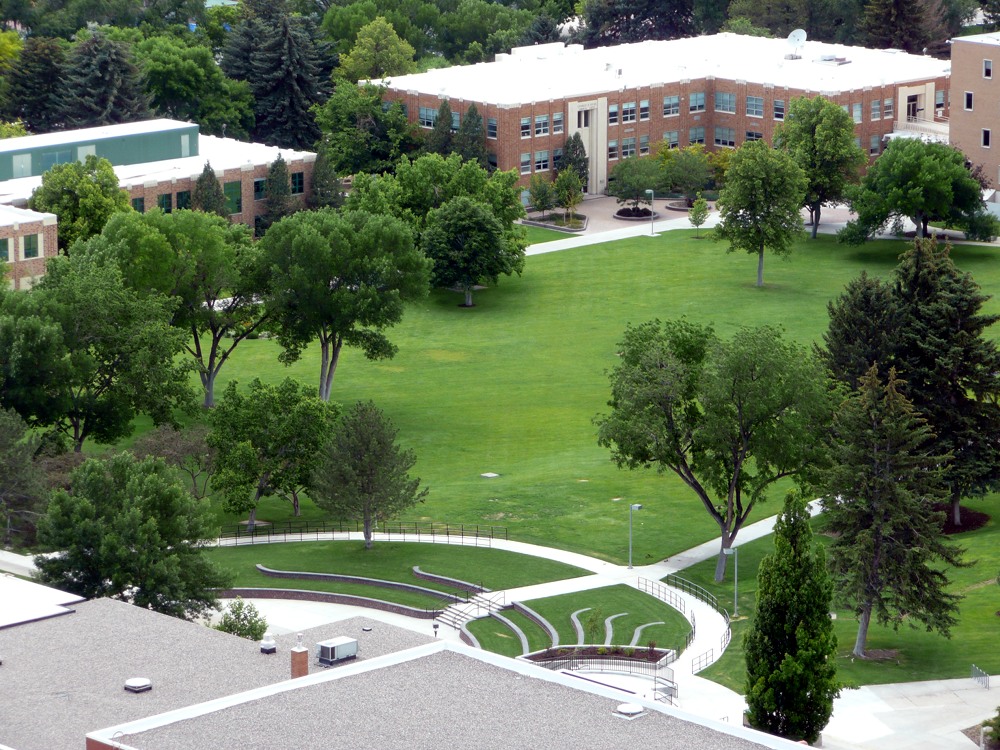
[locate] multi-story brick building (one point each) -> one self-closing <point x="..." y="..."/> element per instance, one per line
<point x="156" y="161"/>
<point x="976" y="114"/>
<point x="720" y="90"/>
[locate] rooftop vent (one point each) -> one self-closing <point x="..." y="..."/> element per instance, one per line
<point x="267" y="644"/>
<point x="629" y="711"/>
<point x="336" y="649"/>
<point x="138" y="685"/>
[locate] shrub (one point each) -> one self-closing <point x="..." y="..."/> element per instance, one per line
<point x="992" y="727"/>
<point x="242" y="618"/>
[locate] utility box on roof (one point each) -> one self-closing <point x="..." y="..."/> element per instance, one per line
<point x="336" y="649"/>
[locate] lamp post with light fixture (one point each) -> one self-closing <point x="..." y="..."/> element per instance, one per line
<point x="631" y="508"/>
<point x="735" y="551"/>
<point x="651" y="195"/>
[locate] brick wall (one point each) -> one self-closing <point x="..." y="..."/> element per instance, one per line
<point x="23" y="273"/>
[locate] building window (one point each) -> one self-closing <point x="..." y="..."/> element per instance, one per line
<point x="491" y="128"/>
<point x="165" y="202"/>
<point x="876" y="109"/>
<point x="986" y="137"/>
<point x="628" y="112"/>
<point x="755" y="106"/>
<point x="456" y="120"/>
<point x="671" y="138"/>
<point x="643" y="145"/>
<point x="30" y="246"/>
<point x="183" y="199"/>
<point x="887" y="109"/>
<point x="987" y="68"/>
<point x="557" y="155"/>
<point x="856" y="111"/>
<point x="258" y="189"/>
<point x="557" y="122"/>
<point x="725" y="137"/>
<point x="298" y="183"/>
<point x="139" y="204"/>
<point x="779" y="109"/>
<point x="644" y="110"/>
<point x="628" y="147"/>
<point x="612" y="149"/>
<point x="939" y="99"/>
<point x="541" y="161"/>
<point x="4" y="252"/>
<point x="725" y="102"/>
<point x="968" y="100"/>
<point x="526" y="163"/>
<point x="696" y="103"/>
<point x="234" y="197"/>
<point x="753" y="135"/>
<point x="875" y="144"/>
<point x="857" y="141"/>
<point x="427" y="117"/>
<point x="583" y="118"/>
<point x="491" y="159"/>
<point x="696" y="135"/>
<point x="541" y="125"/>
<point x="526" y="127"/>
<point x="671" y="106"/>
<point x="612" y="114"/>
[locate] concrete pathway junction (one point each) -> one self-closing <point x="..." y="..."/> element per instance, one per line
<point x="912" y="716"/>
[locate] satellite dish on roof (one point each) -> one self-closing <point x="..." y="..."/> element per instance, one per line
<point x="795" y="41"/>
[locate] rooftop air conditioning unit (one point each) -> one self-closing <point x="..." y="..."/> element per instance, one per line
<point x="336" y="649"/>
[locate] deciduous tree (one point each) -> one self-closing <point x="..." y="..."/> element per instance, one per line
<point x="568" y="191"/>
<point x="128" y="530"/>
<point x="790" y="647"/>
<point x="919" y="181"/>
<point x="186" y="450"/>
<point x="21" y="487"/>
<point x="686" y="170"/>
<point x="729" y="418"/>
<point x="359" y="134"/>
<point x="819" y="136"/>
<point x="884" y="481"/>
<point x="759" y="206"/>
<point x="378" y="53"/>
<point x="84" y="195"/>
<point x="698" y="214"/>
<point x="469" y="246"/>
<point x="631" y="178"/>
<point x="541" y="194"/>
<point x="362" y="473"/>
<point x="266" y="442"/>
<point x="340" y="278"/>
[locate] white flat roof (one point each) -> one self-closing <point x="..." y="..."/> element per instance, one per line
<point x="556" y="71"/>
<point x="25" y="601"/>
<point x="59" y="138"/>
<point x="223" y="153"/>
<point x="10" y="215"/>
<point x="990" y="37"/>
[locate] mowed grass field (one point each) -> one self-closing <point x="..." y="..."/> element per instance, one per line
<point x="511" y="386"/>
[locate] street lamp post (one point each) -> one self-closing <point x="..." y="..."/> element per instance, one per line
<point x="631" y="508"/>
<point x="651" y="194"/>
<point x="735" y="551"/>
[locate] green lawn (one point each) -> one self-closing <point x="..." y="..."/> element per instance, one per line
<point x="919" y="655"/>
<point x="538" y="235"/>
<point x="392" y="561"/>
<point x="641" y="609"/>
<point x="494" y="636"/>
<point x="511" y="386"/>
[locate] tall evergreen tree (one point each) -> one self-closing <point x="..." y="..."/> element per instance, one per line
<point x="327" y="190"/>
<point x="439" y="140"/>
<point x="864" y="321"/>
<point x="951" y="368"/>
<point x="896" y="24"/>
<point x="888" y="555"/>
<point x="278" y="201"/>
<point x="790" y="646"/>
<point x="470" y="139"/>
<point x="623" y="21"/>
<point x="32" y="96"/>
<point x="279" y="56"/>
<point x="208" y="195"/>
<point x="574" y="157"/>
<point x="101" y="85"/>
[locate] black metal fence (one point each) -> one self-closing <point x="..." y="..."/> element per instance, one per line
<point x="307" y="531"/>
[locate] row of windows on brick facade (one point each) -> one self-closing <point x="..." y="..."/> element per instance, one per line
<point x="726" y="138"/>
<point x="541" y="161"/>
<point x="233" y="191"/>
<point x="29" y="248"/>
